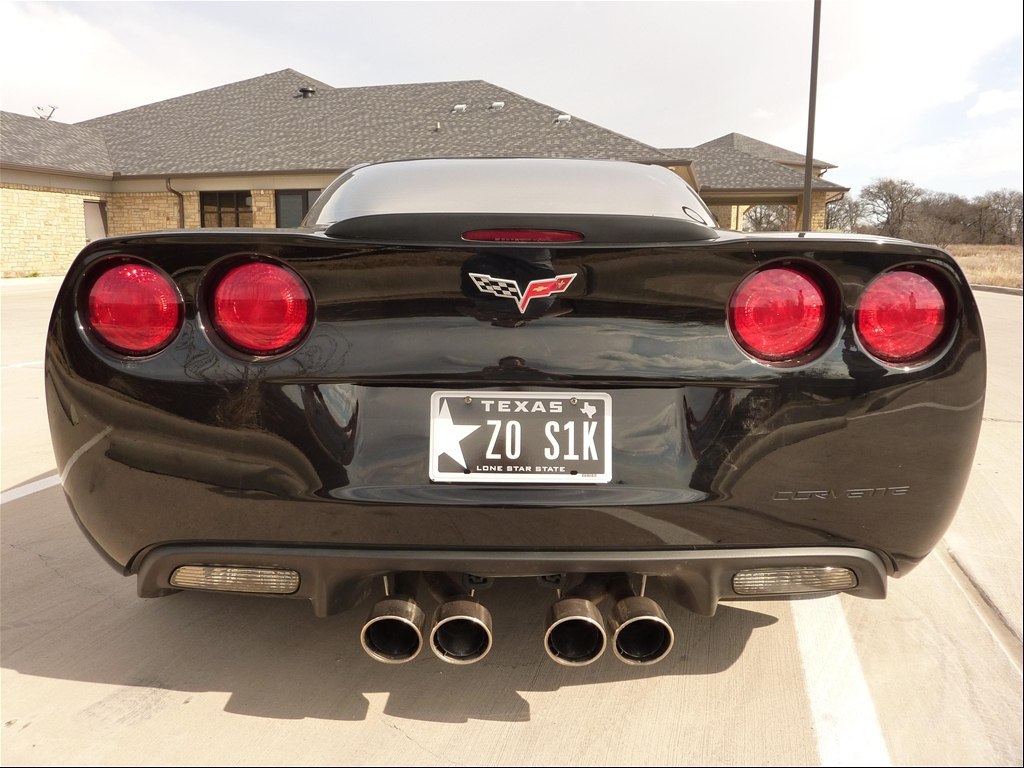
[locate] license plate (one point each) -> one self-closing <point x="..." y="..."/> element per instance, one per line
<point x="517" y="437"/>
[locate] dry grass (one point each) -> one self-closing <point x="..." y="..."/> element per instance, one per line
<point x="990" y="264"/>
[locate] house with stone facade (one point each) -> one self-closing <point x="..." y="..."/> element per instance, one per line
<point x="256" y="153"/>
<point x="735" y="173"/>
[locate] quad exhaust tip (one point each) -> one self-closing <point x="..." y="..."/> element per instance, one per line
<point x="462" y="631"/>
<point x="393" y="633"/>
<point x="575" y="635"/>
<point x="641" y="635"/>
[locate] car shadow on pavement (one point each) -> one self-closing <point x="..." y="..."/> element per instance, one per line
<point x="67" y="615"/>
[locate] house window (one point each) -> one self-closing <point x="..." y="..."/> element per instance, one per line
<point x="226" y="209"/>
<point x="293" y="205"/>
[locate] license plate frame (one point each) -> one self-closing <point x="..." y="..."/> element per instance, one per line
<point x="471" y="439"/>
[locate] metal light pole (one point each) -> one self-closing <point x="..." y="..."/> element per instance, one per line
<point x="806" y="226"/>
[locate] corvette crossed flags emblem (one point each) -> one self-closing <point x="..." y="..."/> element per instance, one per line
<point x="509" y="289"/>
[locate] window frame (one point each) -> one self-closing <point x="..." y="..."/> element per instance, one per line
<point x="308" y="196"/>
<point x="240" y="203"/>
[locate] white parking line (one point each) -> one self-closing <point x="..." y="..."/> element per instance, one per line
<point x="29" y="364"/>
<point x="845" y="722"/>
<point x="29" y="488"/>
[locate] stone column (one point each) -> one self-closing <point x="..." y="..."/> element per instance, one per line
<point x="264" y="212"/>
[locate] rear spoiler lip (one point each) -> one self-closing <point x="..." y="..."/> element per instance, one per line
<point x="430" y="229"/>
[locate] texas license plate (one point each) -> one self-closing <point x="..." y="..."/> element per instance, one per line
<point x="517" y="437"/>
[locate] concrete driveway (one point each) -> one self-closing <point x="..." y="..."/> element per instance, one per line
<point x="93" y="675"/>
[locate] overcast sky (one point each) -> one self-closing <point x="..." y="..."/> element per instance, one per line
<point x="925" y="90"/>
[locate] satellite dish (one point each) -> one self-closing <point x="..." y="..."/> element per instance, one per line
<point x="45" y="112"/>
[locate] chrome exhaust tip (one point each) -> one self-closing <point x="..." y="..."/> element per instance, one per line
<point x="462" y="631"/>
<point x="575" y="636"/>
<point x="641" y="634"/>
<point x="393" y="633"/>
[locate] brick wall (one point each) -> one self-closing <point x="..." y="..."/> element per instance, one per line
<point x="264" y="212"/>
<point x="42" y="229"/>
<point x="817" y="211"/>
<point x="131" y="212"/>
<point x="724" y="215"/>
<point x="729" y="216"/>
<point x="192" y="218"/>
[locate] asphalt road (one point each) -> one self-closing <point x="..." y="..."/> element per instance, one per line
<point x="93" y="675"/>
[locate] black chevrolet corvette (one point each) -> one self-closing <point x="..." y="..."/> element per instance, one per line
<point x="464" y="370"/>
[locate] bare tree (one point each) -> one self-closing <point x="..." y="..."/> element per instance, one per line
<point x="844" y="214"/>
<point x="998" y="217"/>
<point x="898" y="208"/>
<point x="770" y="218"/>
<point x="941" y="218"/>
<point x="889" y="202"/>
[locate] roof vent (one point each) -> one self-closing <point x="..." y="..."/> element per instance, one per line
<point x="497" y="106"/>
<point x="305" y="92"/>
<point x="459" y="109"/>
<point x="562" y="120"/>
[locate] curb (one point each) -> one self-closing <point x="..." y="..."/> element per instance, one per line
<point x="998" y="289"/>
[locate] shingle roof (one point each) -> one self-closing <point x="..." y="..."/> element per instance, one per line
<point x="263" y="125"/>
<point x="47" y="144"/>
<point x="763" y="150"/>
<point x="722" y="168"/>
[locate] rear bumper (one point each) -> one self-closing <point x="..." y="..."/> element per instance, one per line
<point x="696" y="468"/>
<point x="335" y="579"/>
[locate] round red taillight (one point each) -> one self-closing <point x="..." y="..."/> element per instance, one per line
<point x="134" y="309"/>
<point x="261" y="308"/>
<point x="901" y="316"/>
<point x="777" y="314"/>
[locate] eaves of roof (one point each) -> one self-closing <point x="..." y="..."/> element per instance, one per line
<point x="764" y="150"/>
<point x="817" y="185"/>
<point x="723" y="169"/>
<point x="56" y="170"/>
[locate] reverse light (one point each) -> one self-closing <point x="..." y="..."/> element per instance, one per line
<point x="778" y="314"/>
<point x="236" y="578"/>
<point x="901" y="317"/>
<point x="134" y="309"/>
<point x="793" y="580"/>
<point x="261" y="308"/>
<point x="522" y="236"/>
